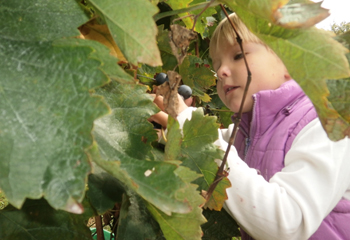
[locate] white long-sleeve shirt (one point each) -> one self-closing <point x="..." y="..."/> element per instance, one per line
<point x="295" y="201"/>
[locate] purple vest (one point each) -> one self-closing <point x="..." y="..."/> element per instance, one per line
<point x="267" y="135"/>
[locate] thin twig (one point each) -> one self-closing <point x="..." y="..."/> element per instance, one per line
<point x="180" y="18"/>
<point x="183" y="10"/>
<point x="197" y="16"/>
<point x="220" y="173"/>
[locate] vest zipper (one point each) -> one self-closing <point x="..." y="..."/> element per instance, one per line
<point x="248" y="140"/>
<point x="247" y="144"/>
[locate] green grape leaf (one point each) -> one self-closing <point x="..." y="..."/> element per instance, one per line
<point x="127" y="128"/>
<point x="40" y="20"/>
<point x="135" y="221"/>
<point x="197" y="76"/>
<point x="154" y="181"/>
<point x="173" y="146"/>
<point x="47" y="111"/>
<point x="182" y="226"/>
<point x="104" y="191"/>
<point x="201" y="23"/>
<point x="175" y="5"/>
<point x="108" y="62"/>
<point x="168" y="58"/>
<point x="311" y="56"/>
<point x="37" y="220"/>
<point x="199" y="155"/>
<point x="133" y="28"/>
<point x="188" y="17"/>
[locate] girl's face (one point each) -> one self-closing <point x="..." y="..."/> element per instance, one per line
<point x="267" y="70"/>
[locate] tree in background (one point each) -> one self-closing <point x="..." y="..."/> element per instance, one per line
<point x="343" y="27"/>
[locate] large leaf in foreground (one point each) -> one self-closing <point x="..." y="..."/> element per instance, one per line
<point x="46" y="107"/>
<point x="40" y="20"/>
<point x="108" y="62"/>
<point x="37" y="220"/>
<point x="311" y="56"/>
<point x="133" y="29"/>
<point x="47" y="114"/>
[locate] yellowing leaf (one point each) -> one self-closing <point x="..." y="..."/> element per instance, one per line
<point x="300" y="15"/>
<point x="175" y="4"/>
<point x="94" y="31"/>
<point x="216" y="200"/>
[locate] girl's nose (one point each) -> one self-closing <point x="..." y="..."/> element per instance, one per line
<point x="223" y="72"/>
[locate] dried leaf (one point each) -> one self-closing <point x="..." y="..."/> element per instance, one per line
<point x="169" y="92"/>
<point x="300" y="15"/>
<point x="180" y="38"/>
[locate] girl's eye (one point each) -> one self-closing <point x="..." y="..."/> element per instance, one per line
<point x="238" y="56"/>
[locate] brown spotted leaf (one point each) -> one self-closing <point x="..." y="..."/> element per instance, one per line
<point x="180" y="38"/>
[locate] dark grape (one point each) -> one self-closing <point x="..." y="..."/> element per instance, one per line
<point x="156" y="125"/>
<point x="161" y="78"/>
<point x="185" y="91"/>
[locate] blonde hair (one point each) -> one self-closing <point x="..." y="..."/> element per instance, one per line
<point x="225" y="33"/>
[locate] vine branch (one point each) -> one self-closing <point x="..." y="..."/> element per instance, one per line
<point x="184" y="10"/>
<point x="221" y="173"/>
<point x="197" y="16"/>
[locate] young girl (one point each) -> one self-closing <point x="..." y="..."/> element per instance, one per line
<point x="289" y="181"/>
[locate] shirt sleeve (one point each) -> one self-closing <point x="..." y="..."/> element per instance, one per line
<point x="294" y="202"/>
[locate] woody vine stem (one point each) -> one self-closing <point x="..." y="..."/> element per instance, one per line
<point x="221" y="172"/>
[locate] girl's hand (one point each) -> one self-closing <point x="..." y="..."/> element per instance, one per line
<point x="162" y="117"/>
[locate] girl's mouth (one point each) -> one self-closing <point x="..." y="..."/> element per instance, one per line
<point x="228" y="89"/>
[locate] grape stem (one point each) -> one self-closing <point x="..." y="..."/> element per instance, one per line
<point x="221" y="172"/>
<point x="145" y="77"/>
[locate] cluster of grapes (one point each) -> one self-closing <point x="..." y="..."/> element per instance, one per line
<point x="184" y="90"/>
